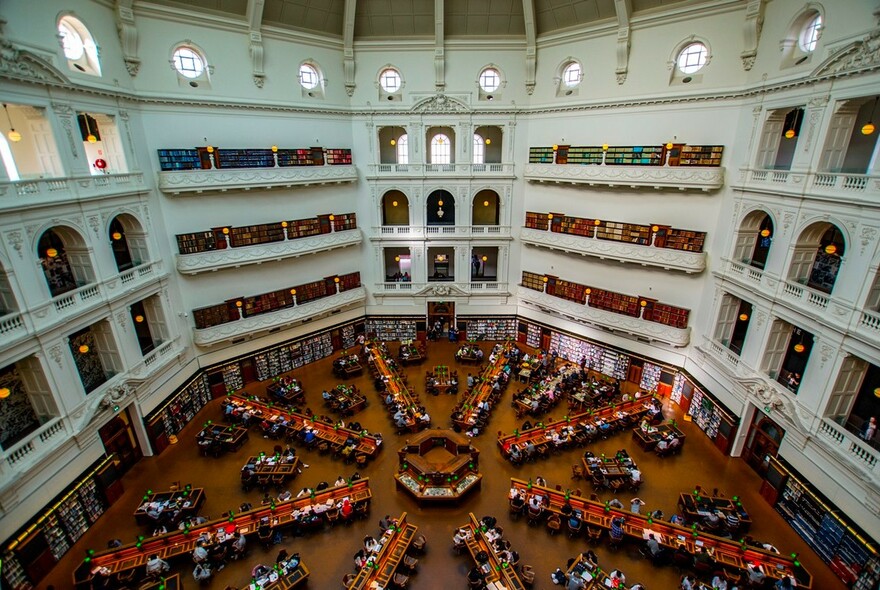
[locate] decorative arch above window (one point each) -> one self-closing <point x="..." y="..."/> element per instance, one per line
<point x="191" y="64"/>
<point x="78" y="46"/>
<point x="802" y="36"/>
<point x="688" y="59"/>
<point x="569" y="76"/>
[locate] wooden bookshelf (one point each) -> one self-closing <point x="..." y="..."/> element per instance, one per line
<point x="349" y="281"/>
<point x="251" y="235"/>
<point x="566" y="290"/>
<point x="562" y="154"/>
<point x="701" y="155"/>
<point x="576" y="226"/>
<point x="213" y="315"/>
<point x="267" y="302"/>
<point x="615" y="302"/>
<point x="344" y="221"/>
<point x="311" y="291"/>
<point x="591" y="155"/>
<point x="179" y="159"/>
<point x="244" y="158"/>
<point x="299" y="157"/>
<point x="337" y="157"/>
<point x="682" y="239"/>
<point x="533" y="281"/>
<point x="303" y="228"/>
<point x="624" y="232"/>
<point x="637" y="155"/>
<point x="195" y="242"/>
<point x="537" y="220"/>
<point x="540" y="155"/>
<point x="667" y="315"/>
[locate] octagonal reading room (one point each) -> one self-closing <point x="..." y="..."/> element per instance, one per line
<point x="432" y="294"/>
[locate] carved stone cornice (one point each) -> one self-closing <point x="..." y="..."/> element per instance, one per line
<point x="613" y="321"/>
<point x="440" y="103"/>
<point x="859" y="56"/>
<point x="199" y="181"/>
<point x="191" y="264"/>
<point x="276" y="319"/>
<point x="689" y="262"/>
<point x="23" y="65"/>
<point x="657" y="177"/>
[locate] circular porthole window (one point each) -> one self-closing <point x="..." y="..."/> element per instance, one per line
<point x="389" y="80"/>
<point x="490" y="80"/>
<point x="692" y="58"/>
<point x="308" y="76"/>
<point x="188" y="62"/>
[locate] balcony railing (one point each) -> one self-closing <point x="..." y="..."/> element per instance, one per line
<point x="235" y="257"/>
<point x="226" y="179"/>
<point x="455" y="169"/>
<point x="836" y="186"/>
<point x="44" y="191"/>
<point x="441" y="288"/>
<point x="657" y="177"/>
<point x="441" y="231"/>
<point x="850" y="445"/>
<point x="67" y="305"/>
<point x="249" y="326"/>
<point x="585" y="314"/>
<point x="667" y="258"/>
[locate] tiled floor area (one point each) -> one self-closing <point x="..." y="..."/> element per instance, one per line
<point x="328" y="553"/>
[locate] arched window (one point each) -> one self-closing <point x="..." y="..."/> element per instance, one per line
<point x="309" y="77"/>
<point x="692" y="58"/>
<point x="389" y="80"/>
<point x="79" y="46"/>
<point x="441" y="152"/>
<point x="479" y="149"/>
<point x="571" y="74"/>
<point x="403" y="149"/>
<point x="188" y="62"/>
<point x="809" y="36"/>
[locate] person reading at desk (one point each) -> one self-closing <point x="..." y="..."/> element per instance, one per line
<point x="157" y="565"/>
<point x="201" y="573"/>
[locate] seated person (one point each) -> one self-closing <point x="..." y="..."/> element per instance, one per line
<point x="156" y="565"/>
<point x="201" y="572"/>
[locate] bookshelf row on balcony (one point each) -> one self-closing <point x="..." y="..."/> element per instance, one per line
<point x="219" y="238"/>
<point x="208" y="157"/>
<point x="41" y="543"/>
<point x="631" y="305"/>
<point x="670" y="154"/>
<point x="243" y="307"/>
<point x="657" y="235"/>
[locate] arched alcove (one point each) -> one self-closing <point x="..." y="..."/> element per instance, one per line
<point x="485" y="209"/>
<point x="128" y="242"/>
<point x="65" y="260"/>
<point x="440" y="208"/>
<point x="395" y="208"/>
<point x="754" y="238"/>
<point x="817" y="256"/>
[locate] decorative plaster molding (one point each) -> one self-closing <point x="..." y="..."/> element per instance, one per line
<point x="440" y="103"/>
<point x="859" y="56"/>
<point x="234" y="257"/>
<point x="613" y="321"/>
<point x="276" y="319"/>
<point x="658" y="177"/>
<point x="199" y="181"/>
<point x="21" y="64"/>
<point x="689" y="262"/>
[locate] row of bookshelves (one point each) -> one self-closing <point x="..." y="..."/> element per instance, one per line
<point x="41" y="543"/>
<point x="631" y="305"/>
<point x="704" y="413"/>
<point x="241" y="307"/>
<point x="204" y="158"/>
<point x="597" y="358"/>
<point x="661" y="236"/>
<point x="181" y="407"/>
<point x="488" y="328"/>
<point x="391" y="329"/>
<point x="219" y="238"/>
<point x="636" y="155"/>
<point x="825" y="529"/>
<point x="650" y="377"/>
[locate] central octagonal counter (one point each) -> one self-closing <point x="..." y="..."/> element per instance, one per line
<point x="438" y="466"/>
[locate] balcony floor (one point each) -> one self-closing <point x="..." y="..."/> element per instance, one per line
<point x="328" y="554"/>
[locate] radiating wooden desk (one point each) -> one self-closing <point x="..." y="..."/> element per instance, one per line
<point x="188" y="502"/>
<point x="482" y="391"/>
<point x="498" y="571"/>
<point x="388" y="558"/>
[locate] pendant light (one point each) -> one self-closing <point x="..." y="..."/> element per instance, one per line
<point x="90" y="137"/>
<point x="790" y="133"/>
<point x="867" y="128"/>
<point x="13" y="135"/>
<point x="5" y="392"/>
<point x="799" y="347"/>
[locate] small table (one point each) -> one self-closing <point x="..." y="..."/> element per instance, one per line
<point x="441" y="380"/>
<point x="410" y="354"/>
<point x="216" y="438"/>
<point x="186" y="502"/>
<point x="289" y="390"/>
<point x="346" y="400"/>
<point x="347" y="366"/>
<point x="469" y="354"/>
<point x="271" y="470"/>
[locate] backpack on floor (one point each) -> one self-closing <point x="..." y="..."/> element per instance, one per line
<point x="558" y="577"/>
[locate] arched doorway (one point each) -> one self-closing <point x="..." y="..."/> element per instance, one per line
<point x="128" y="242"/>
<point x="818" y="256"/>
<point x="485" y="208"/>
<point x="65" y="260"/>
<point x="440" y="208"/>
<point x="754" y="238"/>
<point x="395" y="208"/>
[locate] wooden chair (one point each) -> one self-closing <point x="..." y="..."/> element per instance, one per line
<point x="577" y="471"/>
<point x="527" y="575"/>
<point x="553" y="523"/>
<point x="347" y="580"/>
<point x="594" y="535"/>
<point x="332" y="515"/>
<point x="418" y="545"/>
<point x="400" y="580"/>
<point x="410" y="563"/>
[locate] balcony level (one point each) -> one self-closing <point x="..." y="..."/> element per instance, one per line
<point x="821" y="307"/>
<point x="584" y="314"/>
<point x="853" y="189"/>
<point x="190" y="182"/>
<point x="17" y="326"/>
<point x="192" y="264"/>
<point x="441" y="288"/>
<point x="645" y="255"/>
<point x="252" y="326"/>
<point x="445" y="232"/>
<point x="23" y="194"/>
<point x="680" y="178"/>
<point x="455" y="170"/>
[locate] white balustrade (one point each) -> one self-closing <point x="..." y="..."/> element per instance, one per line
<point x="836" y="186"/>
<point x="12" y="325"/>
<point x="43" y="191"/>
<point x="36" y="443"/>
<point x="453" y="169"/>
<point x="848" y="444"/>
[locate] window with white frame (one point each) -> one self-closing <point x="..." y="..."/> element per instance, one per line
<point x="309" y="78"/>
<point x="441" y="151"/>
<point x="571" y="74"/>
<point x="479" y="149"/>
<point x="809" y="36"/>
<point x="389" y="80"/>
<point x="692" y="58"/>
<point x="78" y="46"/>
<point x="403" y="149"/>
<point x="490" y="79"/>
<point x="188" y="62"/>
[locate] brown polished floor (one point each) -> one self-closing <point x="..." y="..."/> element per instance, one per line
<point x="328" y="554"/>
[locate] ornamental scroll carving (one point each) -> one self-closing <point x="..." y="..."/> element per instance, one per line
<point x="440" y="103"/>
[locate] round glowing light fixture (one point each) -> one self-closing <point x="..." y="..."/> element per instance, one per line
<point x="5" y="392"/>
<point x="485" y="258"/>
<point x="604" y="147"/>
<point x="139" y="319"/>
<point x="336" y="280"/>
<point x="84" y="348"/>
<point x="397" y="259"/>
<point x="394" y="203"/>
<point x="439" y="203"/>
<point x="225" y="231"/>
<point x="51" y="252"/>
<point x="789" y="133"/>
<point x="597" y="222"/>
<point x="274" y="149"/>
<point x="669" y="145"/>
<point x="765" y="233"/>
<point x="799" y="348"/>
<point x="332" y="217"/>
<point x="876" y="392"/>
<point x="555" y="147"/>
<point x="116" y="235"/>
<point x="238" y="304"/>
<point x="743" y="317"/>
<point x="867" y="129"/>
<point x="588" y="290"/>
<point x="488" y="141"/>
<point x="293" y="291"/>
<point x="485" y="203"/>
<point x="830" y="249"/>
<point x="210" y="149"/>
<point x="655" y="228"/>
<point x="545" y="279"/>
<point x="549" y="216"/>
<point x="643" y="303"/>
<point x="14" y="136"/>
<point x="284" y="224"/>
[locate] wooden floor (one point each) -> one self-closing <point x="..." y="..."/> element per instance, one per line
<point x="328" y="554"/>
